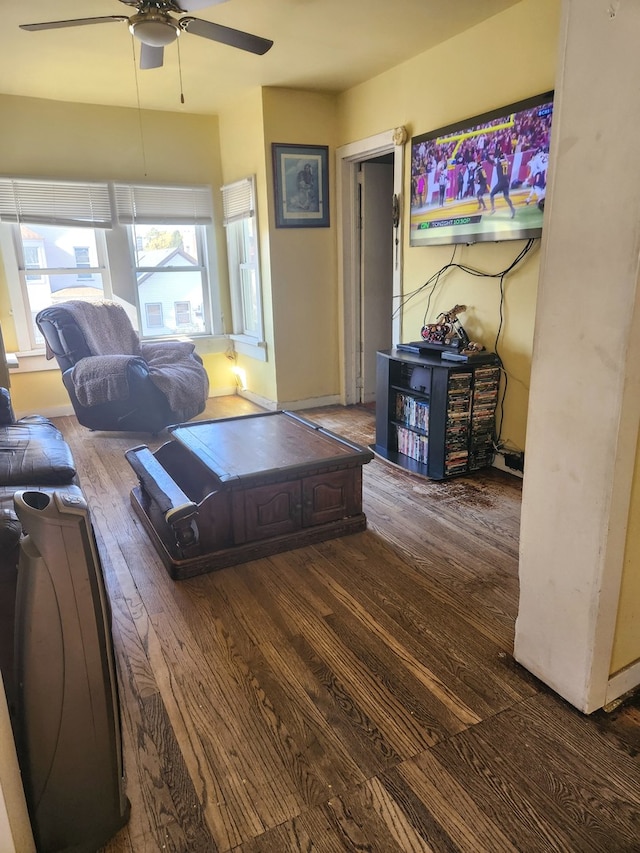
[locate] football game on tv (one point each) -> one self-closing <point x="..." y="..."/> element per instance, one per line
<point x="482" y="179"/>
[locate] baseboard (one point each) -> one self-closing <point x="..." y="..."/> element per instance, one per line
<point x="290" y="405"/>
<point x="229" y="391"/>
<point x="269" y="405"/>
<point x="47" y="411"/>
<point x="310" y="403"/>
<point x="623" y="682"/>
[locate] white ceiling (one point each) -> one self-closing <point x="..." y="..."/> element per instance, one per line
<point x="324" y="45"/>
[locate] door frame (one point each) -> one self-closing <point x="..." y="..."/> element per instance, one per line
<point x="348" y="158"/>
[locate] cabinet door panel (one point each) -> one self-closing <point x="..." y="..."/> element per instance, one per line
<point x="331" y="496"/>
<point x="272" y="510"/>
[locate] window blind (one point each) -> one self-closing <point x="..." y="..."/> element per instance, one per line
<point x="170" y="205"/>
<point x="238" y="200"/>
<point x="41" y="202"/>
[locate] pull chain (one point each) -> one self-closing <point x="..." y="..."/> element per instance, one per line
<point x="135" y="73"/>
<point x="180" y="73"/>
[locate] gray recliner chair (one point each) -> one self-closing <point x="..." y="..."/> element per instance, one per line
<point x="115" y="381"/>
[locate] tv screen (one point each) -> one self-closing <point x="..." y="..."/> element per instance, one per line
<point x="483" y="178"/>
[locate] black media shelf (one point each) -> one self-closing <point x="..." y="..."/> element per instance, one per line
<point x="435" y="418"/>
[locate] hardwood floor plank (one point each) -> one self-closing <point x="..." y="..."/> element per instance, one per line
<point x="389" y="825"/>
<point x="253" y="789"/>
<point x="449" y="628"/>
<point x="499" y="776"/>
<point x="369" y="699"/>
<point x="576" y="772"/>
<point x="447" y="713"/>
<point x="449" y="803"/>
<point x="164" y="814"/>
<point x="311" y="832"/>
<point x="330" y="694"/>
<point x="424" y="576"/>
<point x="185" y="827"/>
<point x="287" y="682"/>
<point x="358" y="694"/>
<point x="455" y="652"/>
<point x="621" y="725"/>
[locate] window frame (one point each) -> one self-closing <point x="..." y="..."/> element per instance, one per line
<point x="115" y="265"/>
<point x="203" y="267"/>
<point x="241" y="229"/>
<point x="17" y="275"/>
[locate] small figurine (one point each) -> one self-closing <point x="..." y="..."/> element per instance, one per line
<point x="447" y="328"/>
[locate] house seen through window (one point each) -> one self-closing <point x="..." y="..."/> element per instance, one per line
<point x="53" y="251"/>
<point x="169" y="272"/>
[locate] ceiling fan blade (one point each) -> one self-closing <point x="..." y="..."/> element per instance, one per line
<point x="226" y="35"/>
<point x="150" y="56"/>
<point x="195" y="5"/>
<point x="76" y="22"/>
<point x="174" y="5"/>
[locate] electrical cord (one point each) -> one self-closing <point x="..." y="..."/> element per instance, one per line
<point x="433" y="282"/>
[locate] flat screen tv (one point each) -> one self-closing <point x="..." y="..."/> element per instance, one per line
<point x="482" y="179"/>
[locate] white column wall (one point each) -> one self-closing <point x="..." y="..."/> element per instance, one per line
<point x="15" y="829"/>
<point x="585" y="389"/>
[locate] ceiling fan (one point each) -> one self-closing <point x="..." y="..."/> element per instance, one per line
<point x="154" y="26"/>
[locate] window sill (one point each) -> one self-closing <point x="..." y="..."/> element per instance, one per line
<point x="35" y="361"/>
<point x="251" y="347"/>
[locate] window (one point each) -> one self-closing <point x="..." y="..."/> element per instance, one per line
<point x="82" y="260"/>
<point x="244" y="268"/>
<point x="183" y="313"/>
<point x="62" y="240"/>
<point x="52" y="251"/>
<point x="153" y="312"/>
<point x="170" y="270"/>
<point x="33" y="258"/>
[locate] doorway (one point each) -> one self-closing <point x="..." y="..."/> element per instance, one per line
<point x="375" y="182"/>
<point x="359" y="339"/>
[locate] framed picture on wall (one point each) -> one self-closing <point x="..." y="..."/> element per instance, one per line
<point x="301" y="184"/>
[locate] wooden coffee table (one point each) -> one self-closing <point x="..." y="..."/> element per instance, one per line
<point x="226" y="491"/>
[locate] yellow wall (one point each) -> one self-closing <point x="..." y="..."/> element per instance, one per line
<point x="299" y="266"/>
<point x="242" y="153"/>
<point x="76" y="141"/>
<point x="626" y="647"/>
<point x="304" y="262"/>
<point x="505" y="59"/>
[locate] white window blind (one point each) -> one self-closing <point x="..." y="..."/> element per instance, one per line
<point x="99" y="204"/>
<point x="238" y="200"/>
<point x="157" y="205"/>
<point x="44" y="202"/>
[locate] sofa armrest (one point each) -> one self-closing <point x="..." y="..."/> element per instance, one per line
<point x="6" y="409"/>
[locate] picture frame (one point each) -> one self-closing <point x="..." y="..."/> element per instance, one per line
<point x="301" y="185"/>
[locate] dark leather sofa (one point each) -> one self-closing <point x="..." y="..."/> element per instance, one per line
<point x="33" y="455"/>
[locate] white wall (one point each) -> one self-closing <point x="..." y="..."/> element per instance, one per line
<point x="15" y="829"/>
<point x="584" y="408"/>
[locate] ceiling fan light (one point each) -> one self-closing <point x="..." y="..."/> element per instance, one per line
<point x="156" y="32"/>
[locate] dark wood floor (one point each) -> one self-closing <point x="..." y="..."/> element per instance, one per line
<point x="356" y="695"/>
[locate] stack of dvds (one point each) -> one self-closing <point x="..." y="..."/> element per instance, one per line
<point x="485" y="398"/>
<point x="411" y="412"/>
<point x="412" y="444"/>
<point x="458" y="420"/>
